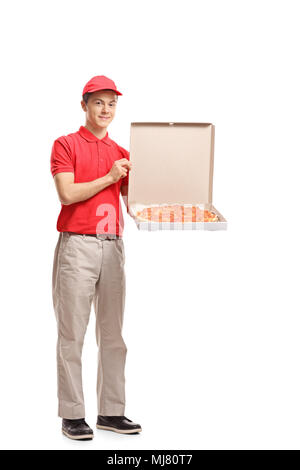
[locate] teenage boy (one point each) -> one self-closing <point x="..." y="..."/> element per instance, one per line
<point x="90" y="171"/>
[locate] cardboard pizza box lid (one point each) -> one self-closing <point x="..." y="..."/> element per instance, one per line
<point x="172" y="164"/>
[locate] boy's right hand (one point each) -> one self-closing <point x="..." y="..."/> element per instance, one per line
<point x="119" y="169"/>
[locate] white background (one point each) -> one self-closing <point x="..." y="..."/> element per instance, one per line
<point x="212" y="318"/>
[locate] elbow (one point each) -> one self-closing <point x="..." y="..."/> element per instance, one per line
<point x="65" y="200"/>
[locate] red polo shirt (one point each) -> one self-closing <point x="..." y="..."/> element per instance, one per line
<point x="89" y="158"/>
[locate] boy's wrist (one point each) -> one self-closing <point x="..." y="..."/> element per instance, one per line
<point x="109" y="178"/>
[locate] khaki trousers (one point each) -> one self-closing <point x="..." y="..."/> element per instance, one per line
<point x="87" y="269"/>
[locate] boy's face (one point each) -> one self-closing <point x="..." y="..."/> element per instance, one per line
<point x="101" y="108"/>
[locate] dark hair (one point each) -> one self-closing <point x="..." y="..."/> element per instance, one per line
<point x="87" y="95"/>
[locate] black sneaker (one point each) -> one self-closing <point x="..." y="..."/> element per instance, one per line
<point x="77" y="429"/>
<point x="118" y="424"/>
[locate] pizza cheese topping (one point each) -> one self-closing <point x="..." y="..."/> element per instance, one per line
<point x="176" y="213"/>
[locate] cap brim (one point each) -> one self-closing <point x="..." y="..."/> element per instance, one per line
<point x="100" y="89"/>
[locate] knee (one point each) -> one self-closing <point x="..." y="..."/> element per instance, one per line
<point x="113" y="344"/>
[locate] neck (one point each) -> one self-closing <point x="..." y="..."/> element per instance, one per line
<point x="99" y="133"/>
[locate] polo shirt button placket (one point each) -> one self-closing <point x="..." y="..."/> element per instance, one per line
<point x="99" y="158"/>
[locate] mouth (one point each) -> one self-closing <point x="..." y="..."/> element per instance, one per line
<point x="104" y="117"/>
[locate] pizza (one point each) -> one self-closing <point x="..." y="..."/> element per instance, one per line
<point x="176" y="213"/>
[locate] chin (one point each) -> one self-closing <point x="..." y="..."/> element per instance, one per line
<point x="103" y="125"/>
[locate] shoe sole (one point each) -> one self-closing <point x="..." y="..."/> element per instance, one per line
<point x="81" y="436"/>
<point x="121" y="431"/>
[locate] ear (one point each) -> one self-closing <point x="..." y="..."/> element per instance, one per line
<point x="83" y="105"/>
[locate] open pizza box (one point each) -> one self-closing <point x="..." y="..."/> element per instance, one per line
<point x="172" y="165"/>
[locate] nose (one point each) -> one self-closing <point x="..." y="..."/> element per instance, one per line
<point x="105" y="109"/>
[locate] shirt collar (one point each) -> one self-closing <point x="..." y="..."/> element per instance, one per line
<point x="90" y="137"/>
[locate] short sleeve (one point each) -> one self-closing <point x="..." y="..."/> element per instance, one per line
<point x="125" y="154"/>
<point x="125" y="181"/>
<point x="61" y="157"/>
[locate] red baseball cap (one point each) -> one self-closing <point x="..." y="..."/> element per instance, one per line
<point x="100" y="82"/>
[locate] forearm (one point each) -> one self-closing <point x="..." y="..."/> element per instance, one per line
<point x="77" y="192"/>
